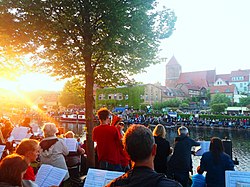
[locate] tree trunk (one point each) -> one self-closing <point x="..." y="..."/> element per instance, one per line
<point x="89" y="106"/>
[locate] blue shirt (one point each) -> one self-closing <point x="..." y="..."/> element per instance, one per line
<point x="198" y="180"/>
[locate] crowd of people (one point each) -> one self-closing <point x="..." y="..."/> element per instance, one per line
<point x="145" y="157"/>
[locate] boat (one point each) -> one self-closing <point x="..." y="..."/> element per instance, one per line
<point x="73" y="118"/>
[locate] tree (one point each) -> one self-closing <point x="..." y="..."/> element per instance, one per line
<point x="104" y="41"/>
<point x="220" y="98"/>
<point x="219" y="107"/>
<point x="73" y="93"/>
<point x="244" y="101"/>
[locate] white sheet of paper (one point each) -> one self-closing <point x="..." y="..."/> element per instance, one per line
<point x="237" y="179"/>
<point x="204" y="148"/>
<point x="99" y="177"/>
<point x="2" y="147"/>
<point x="19" y="133"/>
<point x="71" y="144"/>
<point x="49" y="176"/>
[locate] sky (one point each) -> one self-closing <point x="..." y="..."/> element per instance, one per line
<point x="210" y="34"/>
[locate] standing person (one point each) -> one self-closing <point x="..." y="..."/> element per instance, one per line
<point x="108" y="142"/>
<point x="216" y="162"/>
<point x="180" y="163"/>
<point x="12" y="169"/>
<point x="53" y="149"/>
<point x="198" y="180"/>
<point x="140" y="145"/>
<point x="29" y="148"/>
<point x="163" y="149"/>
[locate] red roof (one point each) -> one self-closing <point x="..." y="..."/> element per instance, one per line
<point x="198" y="79"/>
<point x="224" y="77"/>
<point x="222" y="89"/>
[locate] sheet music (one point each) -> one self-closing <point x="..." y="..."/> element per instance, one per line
<point x="237" y="179"/>
<point x="19" y="133"/>
<point x="71" y="143"/>
<point x="204" y="147"/>
<point x="49" y="176"/>
<point x="2" y="147"/>
<point x="99" y="178"/>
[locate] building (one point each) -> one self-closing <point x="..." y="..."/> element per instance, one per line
<point x="196" y="83"/>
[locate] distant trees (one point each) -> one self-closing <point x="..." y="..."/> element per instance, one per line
<point x="72" y="93"/>
<point x="220" y="102"/>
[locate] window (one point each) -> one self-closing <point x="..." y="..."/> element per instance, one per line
<point x="216" y="91"/>
<point x="101" y="97"/>
<point x="115" y="96"/>
<point x="245" y="88"/>
<point x="126" y="97"/>
<point x="146" y="97"/>
<point x="141" y="96"/>
<point x="241" y="85"/>
<point x="109" y="96"/>
<point x="119" y="96"/>
<point x="227" y="90"/>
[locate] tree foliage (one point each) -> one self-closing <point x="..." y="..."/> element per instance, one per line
<point x="220" y="98"/>
<point x="219" y="107"/>
<point x="72" y="93"/>
<point x="244" y="101"/>
<point x="104" y="41"/>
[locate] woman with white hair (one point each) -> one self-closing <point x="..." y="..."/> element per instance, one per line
<point x="163" y="149"/>
<point x="53" y="149"/>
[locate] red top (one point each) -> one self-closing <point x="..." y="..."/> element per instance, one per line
<point x="107" y="139"/>
<point x="29" y="175"/>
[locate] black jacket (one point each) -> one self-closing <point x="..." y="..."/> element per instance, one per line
<point x="181" y="160"/>
<point x="143" y="177"/>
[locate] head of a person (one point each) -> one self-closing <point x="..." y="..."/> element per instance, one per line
<point x="182" y="131"/>
<point x="12" y="169"/>
<point x="103" y="114"/>
<point x="199" y="171"/>
<point x="159" y="130"/>
<point x="28" y="148"/>
<point x="216" y="145"/>
<point x="49" y="129"/>
<point x="69" y="134"/>
<point x="138" y="142"/>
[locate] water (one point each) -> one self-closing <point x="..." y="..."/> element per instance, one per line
<point x="240" y="140"/>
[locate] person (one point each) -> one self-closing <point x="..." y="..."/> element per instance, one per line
<point x="180" y="163"/>
<point x="108" y="141"/>
<point x="53" y="149"/>
<point x="198" y="180"/>
<point x="163" y="149"/>
<point x="29" y="148"/>
<point x="73" y="159"/>
<point x="12" y="169"/>
<point x="216" y="162"/>
<point x="140" y="146"/>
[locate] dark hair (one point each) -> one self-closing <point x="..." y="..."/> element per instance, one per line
<point x="11" y="169"/>
<point x="216" y="148"/>
<point x="103" y="113"/>
<point x="138" y="142"/>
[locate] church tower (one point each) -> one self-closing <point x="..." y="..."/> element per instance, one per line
<point x="173" y="71"/>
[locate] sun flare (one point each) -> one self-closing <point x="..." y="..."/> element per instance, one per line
<point x="31" y="82"/>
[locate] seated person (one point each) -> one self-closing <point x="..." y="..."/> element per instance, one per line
<point x="198" y="180"/>
<point x="140" y="146"/>
<point x="29" y="148"/>
<point x="73" y="158"/>
<point x="12" y="169"/>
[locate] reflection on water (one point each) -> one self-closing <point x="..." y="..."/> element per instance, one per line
<point x="239" y="138"/>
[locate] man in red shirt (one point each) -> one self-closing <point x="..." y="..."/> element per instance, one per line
<point x="108" y="141"/>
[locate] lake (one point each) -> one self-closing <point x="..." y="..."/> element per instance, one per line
<point x="240" y="140"/>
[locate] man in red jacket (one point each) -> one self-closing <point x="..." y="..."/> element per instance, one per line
<point x="108" y="141"/>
